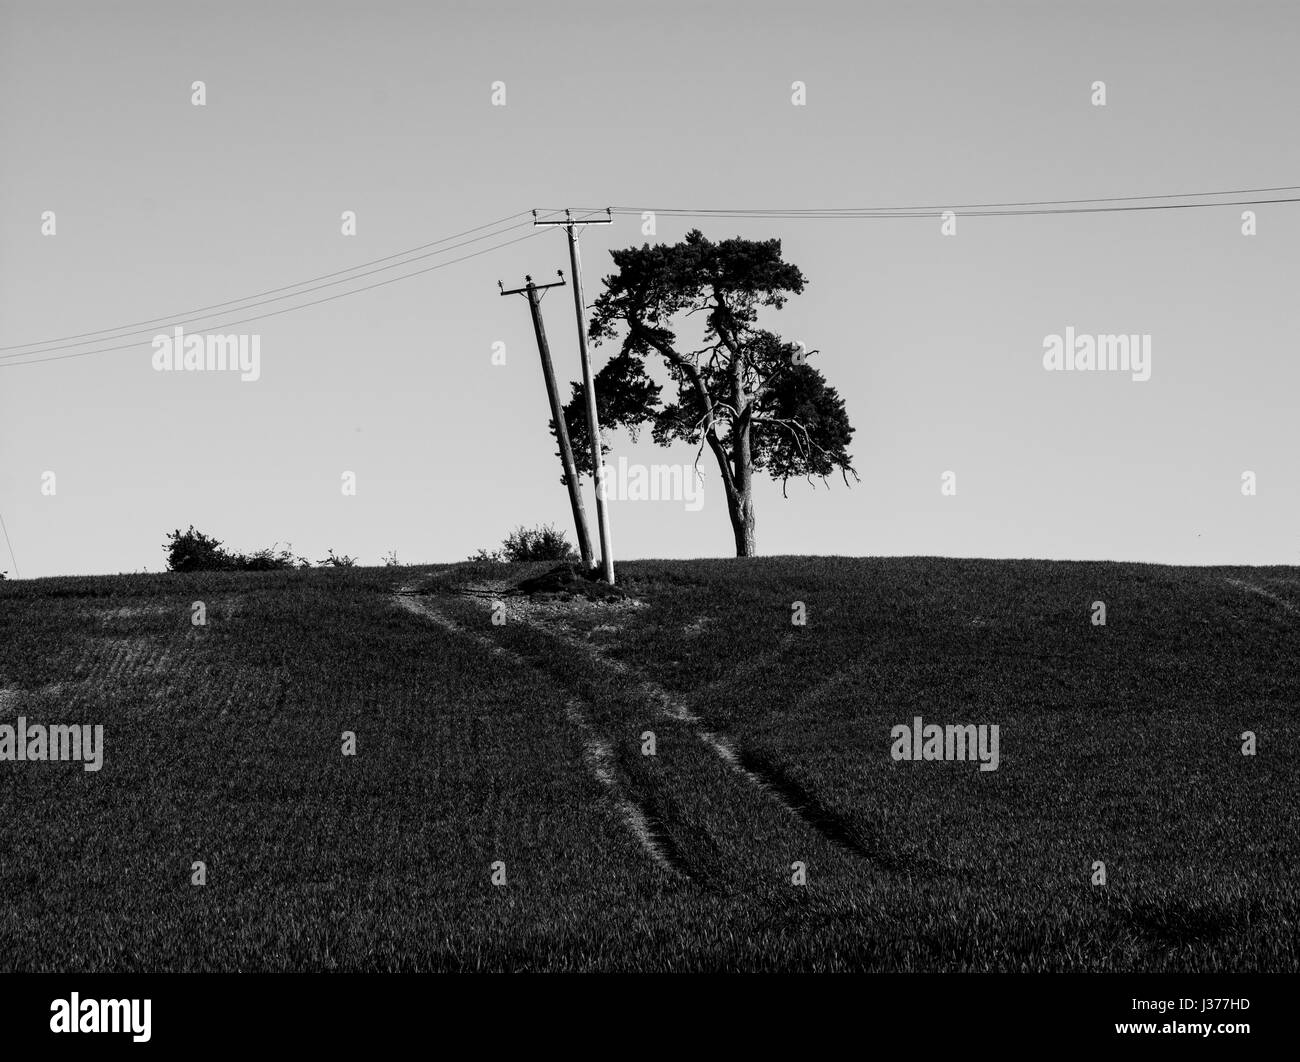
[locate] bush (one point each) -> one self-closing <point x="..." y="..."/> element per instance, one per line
<point x="543" y="543"/>
<point x="338" y="562"/>
<point x="193" y="551"/>
<point x="268" y="560"/>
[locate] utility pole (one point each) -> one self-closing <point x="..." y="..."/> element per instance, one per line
<point x="593" y="420"/>
<point x="557" y="410"/>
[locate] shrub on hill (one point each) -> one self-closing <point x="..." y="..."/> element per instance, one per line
<point x="544" y="543"/>
<point x="193" y="551"/>
<point x="269" y="560"/>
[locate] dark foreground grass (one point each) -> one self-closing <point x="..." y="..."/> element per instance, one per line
<point x="223" y="744"/>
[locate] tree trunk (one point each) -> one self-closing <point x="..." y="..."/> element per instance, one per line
<point x="742" y="523"/>
<point x="741" y="503"/>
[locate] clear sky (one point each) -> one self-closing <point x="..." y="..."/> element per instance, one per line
<point x="936" y="343"/>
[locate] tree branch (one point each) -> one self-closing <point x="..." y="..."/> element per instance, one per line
<point x="640" y="331"/>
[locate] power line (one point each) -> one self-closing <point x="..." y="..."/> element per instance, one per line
<point x="10" y="545"/>
<point x="286" y="287"/>
<point x="1042" y="207"/>
<point x="286" y="309"/>
<point x="963" y="213"/>
<point x="964" y="206"/>
<point x="263" y="302"/>
<point x="968" y="210"/>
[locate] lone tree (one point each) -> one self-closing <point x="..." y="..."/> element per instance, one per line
<point x="746" y="394"/>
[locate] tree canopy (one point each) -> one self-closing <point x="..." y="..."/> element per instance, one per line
<point x="746" y="394"/>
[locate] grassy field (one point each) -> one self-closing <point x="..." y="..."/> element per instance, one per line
<point x="522" y="743"/>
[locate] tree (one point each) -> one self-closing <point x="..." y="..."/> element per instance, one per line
<point x="746" y="394"/>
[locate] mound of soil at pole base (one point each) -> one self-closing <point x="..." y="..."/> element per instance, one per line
<point x="565" y="582"/>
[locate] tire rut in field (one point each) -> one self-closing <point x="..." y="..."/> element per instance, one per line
<point x="597" y="753"/>
<point x="758" y="771"/>
<point x="749" y="668"/>
<point x="809" y="808"/>
<point x="1277" y="599"/>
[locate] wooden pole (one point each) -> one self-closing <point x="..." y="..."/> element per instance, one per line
<point x="557" y="415"/>
<point x="589" y="389"/>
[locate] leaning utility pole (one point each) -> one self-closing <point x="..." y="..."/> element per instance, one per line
<point x="593" y="420"/>
<point x="557" y="411"/>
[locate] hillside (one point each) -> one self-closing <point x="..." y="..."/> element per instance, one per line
<point x="522" y="742"/>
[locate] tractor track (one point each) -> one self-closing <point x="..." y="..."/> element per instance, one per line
<point x="597" y="753"/>
<point x="1251" y="588"/>
<point x="756" y="770"/>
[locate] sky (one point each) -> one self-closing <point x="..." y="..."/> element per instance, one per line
<point x="935" y="342"/>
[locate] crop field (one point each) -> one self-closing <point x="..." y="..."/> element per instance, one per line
<point x="684" y="779"/>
